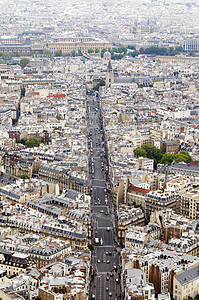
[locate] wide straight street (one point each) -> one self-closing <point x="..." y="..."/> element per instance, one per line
<point x="105" y="260"/>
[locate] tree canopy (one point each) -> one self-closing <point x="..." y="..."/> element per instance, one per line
<point x="24" y="62"/>
<point x="119" y="52"/>
<point x="33" y="142"/>
<point x="57" y="53"/>
<point x="154" y="153"/>
<point x="25" y="176"/>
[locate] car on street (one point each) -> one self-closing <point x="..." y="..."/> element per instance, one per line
<point x="110" y="294"/>
<point x="98" y="261"/>
<point x="108" y="262"/>
<point x="107" y="288"/>
<point x="107" y="277"/>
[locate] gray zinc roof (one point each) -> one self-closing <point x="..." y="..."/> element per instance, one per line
<point x="188" y="275"/>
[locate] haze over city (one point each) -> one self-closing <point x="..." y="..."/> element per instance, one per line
<point x="99" y="150"/>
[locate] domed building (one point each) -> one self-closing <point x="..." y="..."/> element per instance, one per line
<point x="106" y="57"/>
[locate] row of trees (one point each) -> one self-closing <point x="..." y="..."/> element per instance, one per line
<point x="118" y="53"/>
<point x="161" y="50"/>
<point x="154" y="153"/>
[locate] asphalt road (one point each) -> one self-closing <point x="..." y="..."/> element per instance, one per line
<point x="105" y="259"/>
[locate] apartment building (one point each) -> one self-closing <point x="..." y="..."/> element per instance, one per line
<point x="15" y="165"/>
<point x="15" y="263"/>
<point x="159" y="266"/>
<point x="186" y="284"/>
<point x="136" y="237"/>
<point x="136" y="195"/>
<point x="135" y="286"/>
<point x="178" y="183"/>
<point x="189" y="204"/>
<point x="158" y="200"/>
<point x="128" y="216"/>
<point x="171" y="147"/>
<point x="185" y="169"/>
<point x="145" y="163"/>
<point x="65" y="181"/>
<point x="188" y="244"/>
<point x="42" y="251"/>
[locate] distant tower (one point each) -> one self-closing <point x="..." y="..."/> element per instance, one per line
<point x="109" y="75"/>
<point x="106" y="57"/>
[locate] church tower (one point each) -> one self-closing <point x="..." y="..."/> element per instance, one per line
<point x="109" y="75"/>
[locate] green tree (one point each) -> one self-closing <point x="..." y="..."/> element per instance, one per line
<point x="23" y="141"/>
<point x="79" y="53"/>
<point x="17" y="53"/>
<point x="24" y="62"/>
<point x="147" y="220"/>
<point x="134" y="53"/>
<point x="33" y="142"/>
<point x="141" y="50"/>
<point x="23" y="91"/>
<point x="121" y="50"/>
<point x="139" y="152"/>
<point x="102" y="82"/>
<point x="167" y="159"/>
<point x="189" y="159"/>
<point x="149" y="151"/>
<point x="91" y="247"/>
<point x="25" y="176"/>
<point x="180" y="157"/>
<point x="73" y="53"/>
<point x="178" y="50"/>
<point x="131" y="47"/>
<point x="47" y="53"/>
<point x="141" y="85"/>
<point x="57" y="53"/>
<point x="103" y="51"/>
<point x="96" y="50"/>
<point x="90" y="50"/>
<point x="152" y="152"/>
